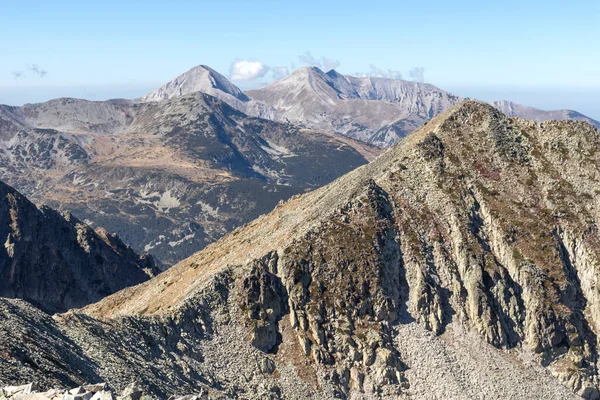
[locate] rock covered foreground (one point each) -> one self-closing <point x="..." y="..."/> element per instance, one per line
<point x="98" y="391"/>
<point x="462" y="263"/>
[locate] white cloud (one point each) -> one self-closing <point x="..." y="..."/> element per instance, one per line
<point x="280" y="72"/>
<point x="31" y="69"/>
<point x="376" y="72"/>
<point x="324" y="63"/>
<point x="247" y="70"/>
<point x="417" y="74"/>
<point x="37" y="70"/>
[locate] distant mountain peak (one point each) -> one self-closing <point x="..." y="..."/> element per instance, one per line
<point x="513" y="109"/>
<point x="201" y="78"/>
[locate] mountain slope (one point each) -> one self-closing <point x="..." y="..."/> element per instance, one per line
<point x="56" y="262"/>
<point x="169" y="177"/>
<point x="379" y="111"/>
<point x="445" y="232"/>
<point x="476" y="226"/>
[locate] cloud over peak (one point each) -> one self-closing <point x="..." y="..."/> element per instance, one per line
<point x="322" y="63"/>
<point x="253" y="71"/>
<point x="247" y="70"/>
<point x="417" y="74"/>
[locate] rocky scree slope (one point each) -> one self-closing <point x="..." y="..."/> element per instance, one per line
<point x="479" y="231"/>
<point x="56" y="262"/>
<point x="168" y="177"/>
<point x="94" y="391"/>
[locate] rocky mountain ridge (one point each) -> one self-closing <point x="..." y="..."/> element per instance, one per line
<point x="116" y="164"/>
<point x="461" y="262"/>
<point x="56" y="262"/>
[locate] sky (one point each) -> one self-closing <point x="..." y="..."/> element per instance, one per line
<point x="544" y="52"/>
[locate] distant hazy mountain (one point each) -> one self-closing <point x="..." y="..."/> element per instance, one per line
<point x="169" y="177"/>
<point x="57" y="262"/>
<point x="517" y="110"/>
<point x="378" y="111"/>
<point x="353" y="107"/>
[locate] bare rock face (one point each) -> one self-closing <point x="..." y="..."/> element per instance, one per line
<point x="56" y="262"/>
<point x="460" y="263"/>
<point x="98" y="391"/>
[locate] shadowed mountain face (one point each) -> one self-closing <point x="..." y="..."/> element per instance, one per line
<point x="56" y="262"/>
<point x="168" y="177"/>
<point x="461" y="262"/>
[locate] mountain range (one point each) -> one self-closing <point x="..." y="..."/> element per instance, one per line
<point x="178" y="168"/>
<point x="461" y="263"/>
<point x="168" y="177"/>
<point x="379" y="111"/>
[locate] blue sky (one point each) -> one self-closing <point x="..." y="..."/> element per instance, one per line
<point x="124" y="48"/>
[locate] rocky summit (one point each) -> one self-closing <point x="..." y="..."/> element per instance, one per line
<point x="56" y="262"/>
<point x="462" y="263"/>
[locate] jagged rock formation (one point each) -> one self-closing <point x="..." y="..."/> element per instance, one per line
<point x="56" y="262"/>
<point x="461" y="263"/>
<point x="168" y="177"/>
